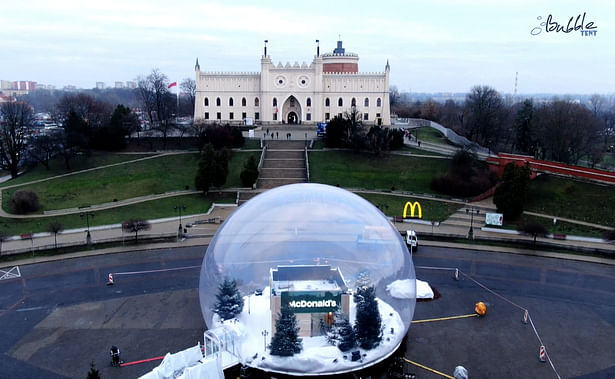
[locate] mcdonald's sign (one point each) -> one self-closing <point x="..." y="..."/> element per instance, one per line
<point x="412" y="206"/>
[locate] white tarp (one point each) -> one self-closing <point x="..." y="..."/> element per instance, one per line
<point x="403" y="289"/>
<point x="174" y="363"/>
<point x="206" y="370"/>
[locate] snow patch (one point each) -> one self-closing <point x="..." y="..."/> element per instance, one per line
<point x="317" y="356"/>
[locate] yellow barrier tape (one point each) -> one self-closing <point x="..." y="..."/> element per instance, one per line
<point x="444" y="318"/>
<point x="428" y="369"/>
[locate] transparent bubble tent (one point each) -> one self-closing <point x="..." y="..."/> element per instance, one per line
<point x="307" y="225"/>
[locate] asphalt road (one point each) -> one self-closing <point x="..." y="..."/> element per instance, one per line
<point x="59" y="316"/>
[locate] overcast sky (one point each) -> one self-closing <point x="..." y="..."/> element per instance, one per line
<point x="432" y="46"/>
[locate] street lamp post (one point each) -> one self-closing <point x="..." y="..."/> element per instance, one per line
<point x="87" y="216"/>
<point x="180" y="208"/>
<point x="265" y="333"/>
<point x="471" y="212"/>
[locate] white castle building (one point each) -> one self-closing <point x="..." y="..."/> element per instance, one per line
<point x="294" y="94"/>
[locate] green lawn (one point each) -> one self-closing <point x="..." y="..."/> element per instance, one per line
<point x="572" y="199"/>
<point x="319" y="144"/>
<point x="148" y="210"/>
<point x="364" y="170"/>
<point x="394" y="206"/>
<point x="251" y="143"/>
<point x="152" y="176"/>
<point x="80" y="162"/>
<point x="429" y="134"/>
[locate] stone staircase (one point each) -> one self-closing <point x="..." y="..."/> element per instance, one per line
<point x="284" y="163"/>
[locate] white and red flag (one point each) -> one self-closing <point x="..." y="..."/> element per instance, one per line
<point x="174" y="84"/>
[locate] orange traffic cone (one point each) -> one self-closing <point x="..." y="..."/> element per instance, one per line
<point x="110" y="282"/>
<point x="542" y="355"/>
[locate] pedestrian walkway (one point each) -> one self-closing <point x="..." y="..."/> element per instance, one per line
<point x="198" y="234"/>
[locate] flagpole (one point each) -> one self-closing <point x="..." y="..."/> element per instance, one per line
<point x="177" y="107"/>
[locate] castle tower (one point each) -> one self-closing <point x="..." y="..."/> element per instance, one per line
<point x="339" y="61"/>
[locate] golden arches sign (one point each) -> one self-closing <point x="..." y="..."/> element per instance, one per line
<point x="413" y="206"/>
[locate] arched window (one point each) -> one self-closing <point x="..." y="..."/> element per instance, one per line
<point x="256" y="102"/>
<point x="206" y="101"/>
<point x="353" y="103"/>
<point x="218" y="102"/>
<point x="366" y="102"/>
<point x="378" y="102"/>
<point x="275" y="102"/>
<point x="308" y="102"/>
<point x="230" y="101"/>
<point x="340" y="102"/>
<point x="327" y="102"/>
<point x="243" y="102"/>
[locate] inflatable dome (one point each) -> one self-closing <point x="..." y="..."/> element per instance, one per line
<point x="309" y="247"/>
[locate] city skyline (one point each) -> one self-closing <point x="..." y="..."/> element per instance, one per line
<point x="444" y="46"/>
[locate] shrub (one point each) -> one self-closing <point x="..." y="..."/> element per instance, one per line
<point x="249" y="174"/>
<point x="467" y="177"/>
<point x="397" y="139"/>
<point x="609" y="235"/>
<point x="534" y="229"/>
<point x="25" y="201"/>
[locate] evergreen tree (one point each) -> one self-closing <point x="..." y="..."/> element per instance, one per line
<point x="213" y="169"/>
<point x="342" y="334"/>
<point x="93" y="373"/>
<point x="286" y="341"/>
<point x="221" y="167"/>
<point x="510" y="195"/>
<point x="348" y="338"/>
<point x="524" y="128"/>
<point x="229" y="302"/>
<point x="368" y="324"/>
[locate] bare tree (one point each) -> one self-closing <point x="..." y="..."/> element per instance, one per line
<point x="534" y="229"/>
<point x="597" y="104"/>
<point x="394" y="97"/>
<point x="43" y="147"/>
<point x="604" y="110"/>
<point x="16" y="120"/>
<point x="483" y="115"/>
<point x="154" y="94"/>
<point x="430" y="110"/>
<point x="94" y="112"/>
<point x="566" y="131"/>
<point x="188" y="87"/>
<point x="450" y="115"/>
<point x="56" y="227"/>
<point x="136" y="225"/>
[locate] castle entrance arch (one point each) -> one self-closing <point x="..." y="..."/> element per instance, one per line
<point x="292" y="118"/>
<point x="291" y="110"/>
